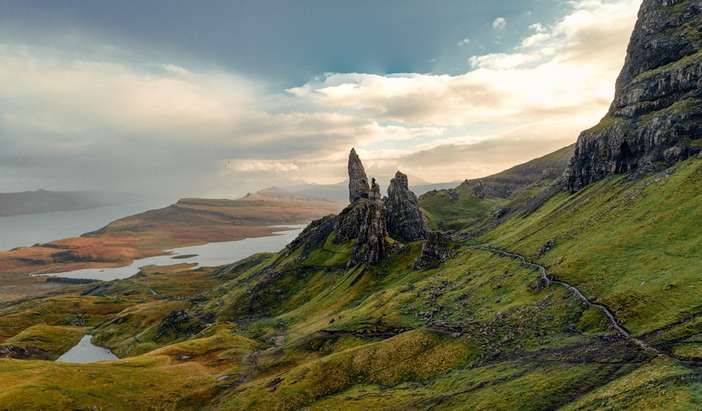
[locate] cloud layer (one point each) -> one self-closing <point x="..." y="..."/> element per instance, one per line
<point x="67" y="123"/>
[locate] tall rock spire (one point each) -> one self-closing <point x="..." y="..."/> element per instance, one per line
<point x="404" y="219"/>
<point x="358" y="181"/>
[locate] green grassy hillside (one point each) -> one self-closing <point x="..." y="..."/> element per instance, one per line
<point x="476" y="205"/>
<point x="299" y="329"/>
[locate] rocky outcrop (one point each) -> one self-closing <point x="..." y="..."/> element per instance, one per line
<point x="371" y="243"/>
<point x="349" y="221"/>
<point x="176" y="322"/>
<point x="404" y="219"/>
<point x="368" y="220"/>
<point x="358" y="181"/>
<point x="656" y="116"/>
<point x="312" y="236"/>
<point x="362" y="221"/>
<point x="435" y="250"/>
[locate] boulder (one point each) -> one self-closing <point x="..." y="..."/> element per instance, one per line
<point x="436" y="249"/>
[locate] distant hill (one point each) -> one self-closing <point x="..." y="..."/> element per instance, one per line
<point x="42" y="201"/>
<point x="340" y="191"/>
<point x="475" y="204"/>
<point x="208" y="217"/>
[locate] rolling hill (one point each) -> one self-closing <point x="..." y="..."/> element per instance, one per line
<point x="570" y="282"/>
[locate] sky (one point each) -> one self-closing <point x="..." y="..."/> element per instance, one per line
<point x="220" y="98"/>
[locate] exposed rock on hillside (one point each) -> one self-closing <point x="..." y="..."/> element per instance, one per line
<point x="349" y="221"/>
<point x="404" y="219"/>
<point x="313" y="235"/>
<point x="368" y="218"/>
<point x="176" y="322"/>
<point x="656" y="115"/>
<point x="371" y="244"/>
<point x="437" y="249"/>
<point x="358" y="181"/>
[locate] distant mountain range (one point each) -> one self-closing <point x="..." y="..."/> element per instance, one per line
<point x="340" y="191"/>
<point x="43" y="201"/>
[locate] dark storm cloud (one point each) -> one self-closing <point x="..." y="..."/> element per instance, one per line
<point x="283" y="42"/>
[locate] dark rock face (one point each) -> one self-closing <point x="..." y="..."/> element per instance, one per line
<point x="358" y="181"/>
<point x="313" y="235"/>
<point x="349" y="221"/>
<point x="404" y="219"/>
<point x="371" y="244"/>
<point x="656" y="115"/>
<point x="366" y="221"/>
<point x="436" y="249"/>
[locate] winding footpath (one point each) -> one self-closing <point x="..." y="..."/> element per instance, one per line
<point x="616" y="324"/>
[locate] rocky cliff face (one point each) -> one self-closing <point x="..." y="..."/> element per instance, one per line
<point x="362" y="221"/>
<point x="656" y="116"/>
<point x="404" y="219"/>
<point x="371" y="243"/>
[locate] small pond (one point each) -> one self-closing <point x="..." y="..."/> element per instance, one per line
<point x="86" y="352"/>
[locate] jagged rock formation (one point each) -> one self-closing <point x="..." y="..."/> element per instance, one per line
<point x="362" y="221"/>
<point x="404" y="219"/>
<point x="358" y="181"/>
<point x="656" y="116"/>
<point x="371" y="244"/>
<point x="369" y="219"/>
<point x="435" y="250"/>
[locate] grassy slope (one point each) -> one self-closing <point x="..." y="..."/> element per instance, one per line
<point x="336" y="331"/>
<point x="633" y="245"/>
<point x="461" y="209"/>
<point x="302" y="330"/>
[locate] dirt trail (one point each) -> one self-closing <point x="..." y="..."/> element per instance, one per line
<point x="603" y="308"/>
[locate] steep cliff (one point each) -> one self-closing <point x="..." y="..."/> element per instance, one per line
<point x="371" y="244"/>
<point x="655" y="119"/>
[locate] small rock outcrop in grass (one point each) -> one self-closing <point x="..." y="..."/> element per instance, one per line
<point x="436" y="249"/>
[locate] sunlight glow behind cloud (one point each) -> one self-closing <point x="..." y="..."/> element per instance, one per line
<point x="202" y="129"/>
